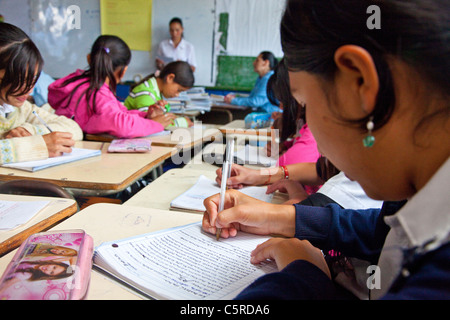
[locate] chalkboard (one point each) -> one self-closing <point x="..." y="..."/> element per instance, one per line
<point x="235" y="73"/>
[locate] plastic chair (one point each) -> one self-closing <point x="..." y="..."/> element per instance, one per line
<point x="34" y="188"/>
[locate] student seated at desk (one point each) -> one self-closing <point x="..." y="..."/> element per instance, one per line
<point x="263" y="65"/>
<point x="89" y="97"/>
<point x="173" y="79"/>
<point x="24" y="136"/>
<point x="301" y="147"/>
<point x="378" y="108"/>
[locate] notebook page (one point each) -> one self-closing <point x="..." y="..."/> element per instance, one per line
<point x="186" y="263"/>
<point x="16" y="213"/>
<point x="193" y="198"/>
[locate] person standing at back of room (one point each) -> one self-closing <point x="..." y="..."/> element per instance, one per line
<point x="176" y="48"/>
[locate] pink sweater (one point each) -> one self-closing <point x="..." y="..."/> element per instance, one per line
<point x="303" y="149"/>
<point x="111" y="116"/>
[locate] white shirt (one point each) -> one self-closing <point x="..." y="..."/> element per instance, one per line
<point x="5" y="109"/>
<point x="347" y="193"/>
<point x="423" y="224"/>
<point x="183" y="52"/>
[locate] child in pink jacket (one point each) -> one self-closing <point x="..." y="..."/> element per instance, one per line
<point x="89" y="97"/>
<point x="302" y="146"/>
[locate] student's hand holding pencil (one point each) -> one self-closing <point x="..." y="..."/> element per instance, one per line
<point x="157" y="109"/>
<point x="165" y="119"/>
<point x="245" y="213"/>
<point x="58" y="143"/>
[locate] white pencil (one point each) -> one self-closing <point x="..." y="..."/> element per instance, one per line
<point x="42" y="121"/>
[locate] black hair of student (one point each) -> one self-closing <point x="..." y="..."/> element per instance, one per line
<point x="176" y="20"/>
<point x="267" y="55"/>
<point x="108" y="54"/>
<point x="278" y="90"/>
<point x="414" y="31"/>
<point x="21" y="60"/>
<point x="182" y="71"/>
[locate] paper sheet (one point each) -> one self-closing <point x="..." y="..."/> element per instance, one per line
<point x="204" y="188"/>
<point x="185" y="263"/>
<point x="16" y="213"/>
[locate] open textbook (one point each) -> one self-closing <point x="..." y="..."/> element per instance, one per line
<point x="75" y="155"/>
<point x="192" y="199"/>
<point x="183" y="263"/>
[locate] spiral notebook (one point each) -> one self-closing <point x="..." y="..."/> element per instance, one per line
<point x="183" y="263"/>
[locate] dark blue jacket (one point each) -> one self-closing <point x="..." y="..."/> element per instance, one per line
<point x="354" y="233"/>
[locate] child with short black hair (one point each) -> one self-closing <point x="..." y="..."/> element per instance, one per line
<point x="174" y="78"/>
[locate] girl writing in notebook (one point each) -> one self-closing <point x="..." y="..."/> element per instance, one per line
<point x="377" y="104"/>
<point x="23" y="136"/>
<point x="89" y="97"/>
<point x="173" y="79"/>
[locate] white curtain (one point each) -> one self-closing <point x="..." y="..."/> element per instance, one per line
<point x="254" y="26"/>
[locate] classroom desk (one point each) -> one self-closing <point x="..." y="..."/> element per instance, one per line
<point x="188" y="138"/>
<point x="57" y="210"/>
<point x="232" y="111"/>
<point x="198" y="162"/>
<point x="181" y="138"/>
<point x="122" y="222"/>
<point x="236" y="129"/>
<point x="171" y="184"/>
<point x="97" y="176"/>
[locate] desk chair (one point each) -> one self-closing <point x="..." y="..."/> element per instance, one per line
<point x="34" y="188"/>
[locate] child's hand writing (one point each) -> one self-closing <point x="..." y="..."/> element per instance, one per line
<point x="156" y="109"/>
<point x="165" y="119"/>
<point x="239" y="214"/>
<point x="58" y="143"/>
<point x="229" y="97"/>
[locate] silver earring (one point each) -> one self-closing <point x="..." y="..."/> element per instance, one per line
<point x="369" y="140"/>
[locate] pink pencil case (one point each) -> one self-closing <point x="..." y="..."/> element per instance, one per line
<point x="130" y="145"/>
<point x="49" y="266"/>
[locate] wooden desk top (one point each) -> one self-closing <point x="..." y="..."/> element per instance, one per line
<point x="173" y="183"/>
<point x="101" y="175"/>
<point x="122" y="222"/>
<point x="187" y="138"/>
<point x="181" y="138"/>
<point x="238" y="127"/>
<point x="58" y="210"/>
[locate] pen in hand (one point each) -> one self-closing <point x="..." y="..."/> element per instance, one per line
<point x="226" y="173"/>
<point x="42" y="121"/>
